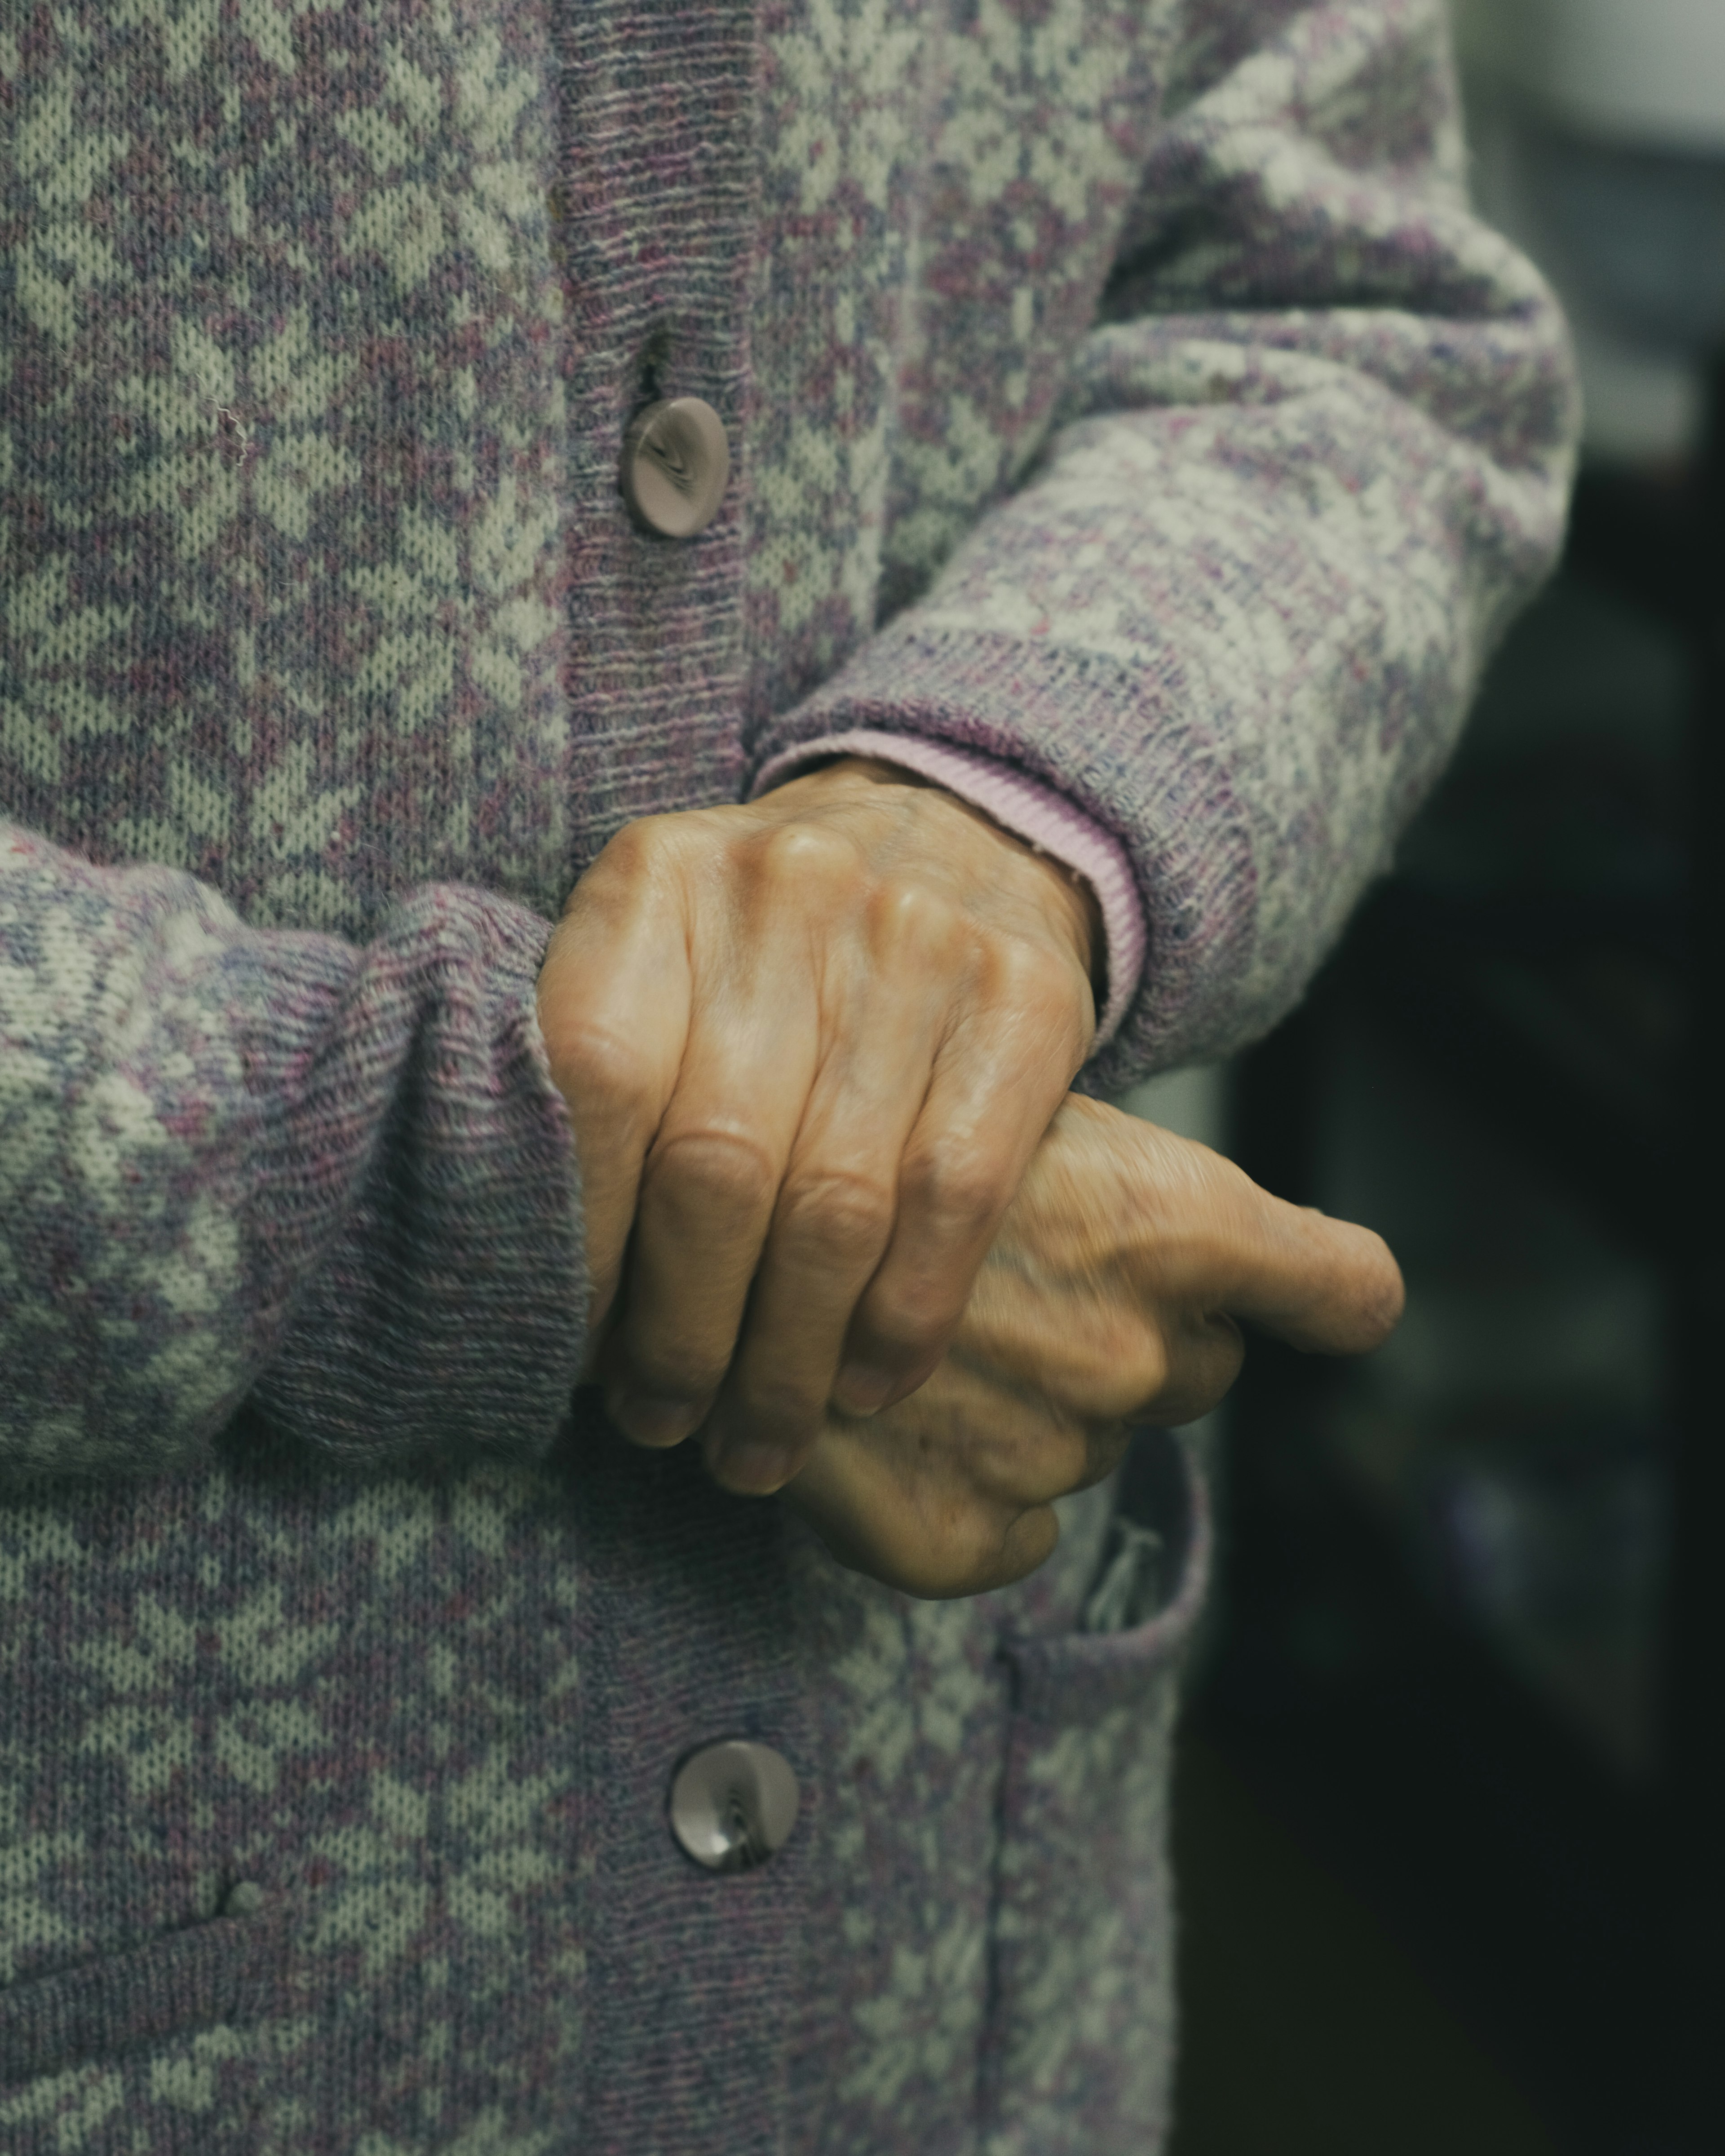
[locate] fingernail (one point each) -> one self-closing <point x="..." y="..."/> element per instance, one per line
<point x="754" y="1469"/>
<point x="862" y="1389"/>
<point x="656" y="1418"/>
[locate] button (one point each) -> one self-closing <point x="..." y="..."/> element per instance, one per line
<point x="675" y="464"/>
<point x="732" y="1805"/>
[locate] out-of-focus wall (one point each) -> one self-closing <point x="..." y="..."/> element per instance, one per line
<point x="1192" y="1103"/>
<point x="1648" y="73"/>
<point x="1598" y="135"/>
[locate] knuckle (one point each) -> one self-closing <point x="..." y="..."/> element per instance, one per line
<point x="1201" y="1378"/>
<point x="949" y="1549"/>
<point x="600" y="1064"/>
<point x="1151" y="1369"/>
<point x="1044" y="987"/>
<point x="958" y="1190"/>
<point x="1035" y="970"/>
<point x="844" y="1211"/>
<point x="713" y="1170"/>
<point x="806" y="856"/>
<point x="991" y="1546"/>
<point x="634" y="851"/>
<point x="1029" y="1543"/>
<point x="912" y="919"/>
<point x="904" y="1328"/>
<point x="1132" y="1377"/>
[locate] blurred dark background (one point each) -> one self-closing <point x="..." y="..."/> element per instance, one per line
<point x="1452" y="1790"/>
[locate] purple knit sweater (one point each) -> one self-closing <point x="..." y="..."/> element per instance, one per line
<point x="1120" y="393"/>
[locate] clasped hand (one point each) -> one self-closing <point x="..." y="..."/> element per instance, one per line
<point x="809" y="1045"/>
<point x="1109" y="1298"/>
<point x="813" y="1049"/>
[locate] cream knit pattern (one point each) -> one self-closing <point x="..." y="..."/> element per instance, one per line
<point x="1120" y="392"/>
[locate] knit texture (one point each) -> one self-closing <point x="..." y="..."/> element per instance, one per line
<point x="320" y="1235"/>
<point x="1217" y="439"/>
<point x="290" y="1814"/>
<point x="284" y="589"/>
<point x="1270" y="441"/>
<point x="657" y="201"/>
<point x="1118" y="393"/>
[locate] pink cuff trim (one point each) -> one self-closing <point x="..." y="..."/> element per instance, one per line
<point x="1042" y="818"/>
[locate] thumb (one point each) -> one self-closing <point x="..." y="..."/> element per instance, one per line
<point x="1329" y="1287"/>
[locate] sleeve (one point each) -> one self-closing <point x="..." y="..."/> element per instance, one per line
<point x="334" y="1183"/>
<point x="1312" y="457"/>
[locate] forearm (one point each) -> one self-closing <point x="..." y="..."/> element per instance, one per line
<point x="1312" y="457"/>
<point x="334" y="1182"/>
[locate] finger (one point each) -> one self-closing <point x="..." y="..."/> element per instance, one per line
<point x="995" y="1086"/>
<point x="1204" y="1355"/>
<point x="968" y="1441"/>
<point x="613" y="1055"/>
<point x="1328" y="1287"/>
<point x="708" y="1187"/>
<point x="933" y="1543"/>
<point x="1106" y="1355"/>
<point x="835" y="1211"/>
<point x="1212" y="1240"/>
<point x="1106" y="1446"/>
<point x="824" y="1244"/>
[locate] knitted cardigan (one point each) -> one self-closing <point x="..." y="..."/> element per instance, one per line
<point x="1126" y="410"/>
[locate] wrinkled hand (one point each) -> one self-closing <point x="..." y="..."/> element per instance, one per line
<point x="809" y="1045"/>
<point x="1109" y="1299"/>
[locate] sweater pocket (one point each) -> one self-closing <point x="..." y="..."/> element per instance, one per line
<point x="1079" y="2049"/>
<point x="146" y="2050"/>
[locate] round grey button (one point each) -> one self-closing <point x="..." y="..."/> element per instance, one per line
<point x="676" y="463"/>
<point x="732" y="1805"/>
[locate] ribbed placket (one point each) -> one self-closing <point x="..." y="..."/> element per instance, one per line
<point x="685" y="1639"/>
<point x="685" y="1623"/>
<point x="658" y="211"/>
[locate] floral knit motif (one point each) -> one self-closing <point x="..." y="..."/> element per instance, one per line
<point x="282" y="337"/>
<point x="842" y="91"/>
<point x="280" y="494"/>
<point x="1119" y="391"/>
<point x="909" y="188"/>
<point x="1193" y="516"/>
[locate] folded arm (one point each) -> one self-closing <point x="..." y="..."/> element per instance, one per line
<point x="1309" y="461"/>
<point x="335" y="1180"/>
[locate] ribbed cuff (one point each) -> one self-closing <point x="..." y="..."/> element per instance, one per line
<point x="423" y="1160"/>
<point x="1046" y="820"/>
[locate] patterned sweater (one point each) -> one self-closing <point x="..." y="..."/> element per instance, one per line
<point x="1130" y="423"/>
